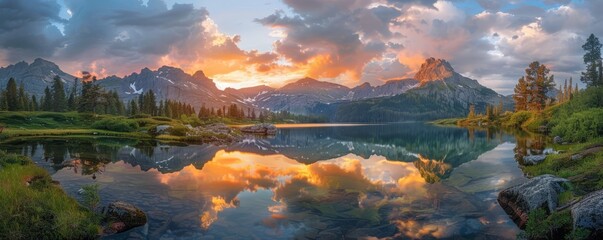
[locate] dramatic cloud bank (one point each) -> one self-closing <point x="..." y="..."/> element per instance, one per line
<point x="343" y="41"/>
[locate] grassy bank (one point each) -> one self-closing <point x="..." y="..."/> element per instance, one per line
<point x="579" y="125"/>
<point x="73" y="124"/>
<point x="585" y="170"/>
<point x="33" y="207"/>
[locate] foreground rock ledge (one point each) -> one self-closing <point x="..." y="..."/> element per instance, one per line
<point x="262" y="129"/>
<point x="539" y="192"/>
<point x="588" y="214"/>
<point x="122" y="216"/>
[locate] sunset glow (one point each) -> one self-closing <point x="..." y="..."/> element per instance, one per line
<point x="292" y="39"/>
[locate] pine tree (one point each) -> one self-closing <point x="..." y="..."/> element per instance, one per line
<point x="133" y="108"/>
<point x="3" y="103"/>
<point x="12" y="98"/>
<point x="47" y="100"/>
<point x="72" y="100"/>
<point x="489" y="113"/>
<point x="592" y="59"/>
<point x="539" y="83"/>
<point x="34" y="103"/>
<point x="59" y="101"/>
<point x="161" y="109"/>
<point x="23" y="99"/>
<point x="564" y="95"/>
<point x="90" y="99"/>
<point x="471" y="111"/>
<point x="521" y="95"/>
<point x="262" y="117"/>
<point x="141" y="104"/>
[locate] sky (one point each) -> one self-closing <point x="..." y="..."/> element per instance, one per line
<point x="242" y="43"/>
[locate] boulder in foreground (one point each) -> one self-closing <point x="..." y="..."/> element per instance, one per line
<point x="122" y="216"/>
<point x="588" y="214"/>
<point x="540" y="192"/>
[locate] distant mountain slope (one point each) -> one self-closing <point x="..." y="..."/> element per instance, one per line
<point x="249" y="94"/>
<point x="436" y="91"/>
<point x="390" y="88"/>
<point x="171" y="83"/>
<point x="35" y="76"/>
<point x="442" y="93"/>
<point x="305" y="94"/>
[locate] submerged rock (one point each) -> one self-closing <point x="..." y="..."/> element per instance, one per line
<point x="588" y="214"/>
<point x="162" y="128"/>
<point x="540" y="192"/>
<point x="262" y="128"/>
<point x="219" y="128"/>
<point x="533" y="159"/>
<point x="217" y="133"/>
<point x="122" y="217"/>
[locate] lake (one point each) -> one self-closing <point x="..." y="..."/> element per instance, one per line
<point x="403" y="180"/>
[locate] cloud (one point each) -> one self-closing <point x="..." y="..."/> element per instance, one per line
<point x="344" y="41"/>
<point x="328" y="39"/>
<point x="127" y="35"/>
<point x="27" y="29"/>
<point x="495" y="47"/>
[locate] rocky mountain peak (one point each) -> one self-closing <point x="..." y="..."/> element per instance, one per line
<point x="199" y="75"/>
<point x="363" y="86"/>
<point x="44" y="64"/>
<point x="307" y="80"/>
<point x="434" y="69"/>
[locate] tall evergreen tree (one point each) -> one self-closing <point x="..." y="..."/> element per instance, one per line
<point x="59" y="101"/>
<point x="471" y="111"/>
<point x="564" y="95"/>
<point x="3" y="103"/>
<point x="539" y="83"/>
<point x="47" y="100"/>
<point x="592" y="59"/>
<point x="91" y="98"/>
<point x="12" y="95"/>
<point x="133" y="108"/>
<point x="23" y="99"/>
<point x="72" y="100"/>
<point x="34" y="103"/>
<point x="521" y="95"/>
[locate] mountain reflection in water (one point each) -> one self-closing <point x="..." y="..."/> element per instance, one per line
<point x="400" y="180"/>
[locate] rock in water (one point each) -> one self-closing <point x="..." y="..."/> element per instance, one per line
<point x="540" y="192"/>
<point x="123" y="216"/>
<point x="533" y="159"/>
<point x="588" y="214"/>
<point x="263" y="128"/>
<point x="162" y="128"/>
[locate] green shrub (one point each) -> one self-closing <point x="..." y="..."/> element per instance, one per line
<point x="91" y="196"/>
<point x="518" y="118"/>
<point x="543" y="226"/>
<point x="8" y="159"/>
<point x="163" y="119"/>
<point x="140" y="116"/>
<point x="116" y="125"/>
<point x="178" y="130"/>
<point x="580" y="126"/>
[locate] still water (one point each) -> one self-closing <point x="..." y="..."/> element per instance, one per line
<point x="405" y="180"/>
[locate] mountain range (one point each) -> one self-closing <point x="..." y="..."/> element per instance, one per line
<point x="435" y="91"/>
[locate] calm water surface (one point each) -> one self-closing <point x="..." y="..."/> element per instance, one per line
<point x="407" y="180"/>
